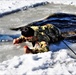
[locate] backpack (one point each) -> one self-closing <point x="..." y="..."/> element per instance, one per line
<point x="48" y="33"/>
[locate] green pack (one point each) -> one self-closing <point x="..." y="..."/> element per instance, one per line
<point x="48" y="33"/>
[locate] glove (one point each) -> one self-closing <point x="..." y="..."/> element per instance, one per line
<point x="16" y="41"/>
<point x="27" y="50"/>
<point x="26" y="47"/>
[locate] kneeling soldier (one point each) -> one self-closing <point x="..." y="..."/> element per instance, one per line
<point x="39" y="36"/>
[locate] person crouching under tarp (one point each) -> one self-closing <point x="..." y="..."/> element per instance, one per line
<point x="39" y="36"/>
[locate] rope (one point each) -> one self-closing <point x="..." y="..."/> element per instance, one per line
<point x="69" y="48"/>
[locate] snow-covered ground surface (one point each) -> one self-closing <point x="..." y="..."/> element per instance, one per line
<point x="9" y="5"/>
<point x="48" y="63"/>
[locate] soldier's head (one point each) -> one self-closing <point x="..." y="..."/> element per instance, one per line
<point x="28" y="33"/>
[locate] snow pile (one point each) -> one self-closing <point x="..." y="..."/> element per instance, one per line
<point x="7" y="6"/>
<point x="67" y="2"/>
<point x="47" y="63"/>
<point x="10" y="6"/>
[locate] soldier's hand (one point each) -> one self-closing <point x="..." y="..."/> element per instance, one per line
<point x="16" y="41"/>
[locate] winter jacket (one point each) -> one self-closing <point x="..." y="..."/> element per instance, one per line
<point x="48" y="33"/>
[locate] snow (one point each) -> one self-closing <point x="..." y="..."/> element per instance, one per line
<point x="58" y="62"/>
<point x="12" y="5"/>
<point x="40" y="64"/>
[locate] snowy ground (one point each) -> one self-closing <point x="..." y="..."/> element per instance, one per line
<point x="12" y="5"/>
<point x="48" y="63"/>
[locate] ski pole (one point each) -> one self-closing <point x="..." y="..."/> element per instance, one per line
<point x="69" y="48"/>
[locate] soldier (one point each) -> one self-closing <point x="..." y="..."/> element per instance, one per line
<point x="39" y="36"/>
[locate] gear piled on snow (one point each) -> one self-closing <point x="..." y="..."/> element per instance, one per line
<point x="65" y="24"/>
<point x="53" y="29"/>
<point x="48" y="33"/>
